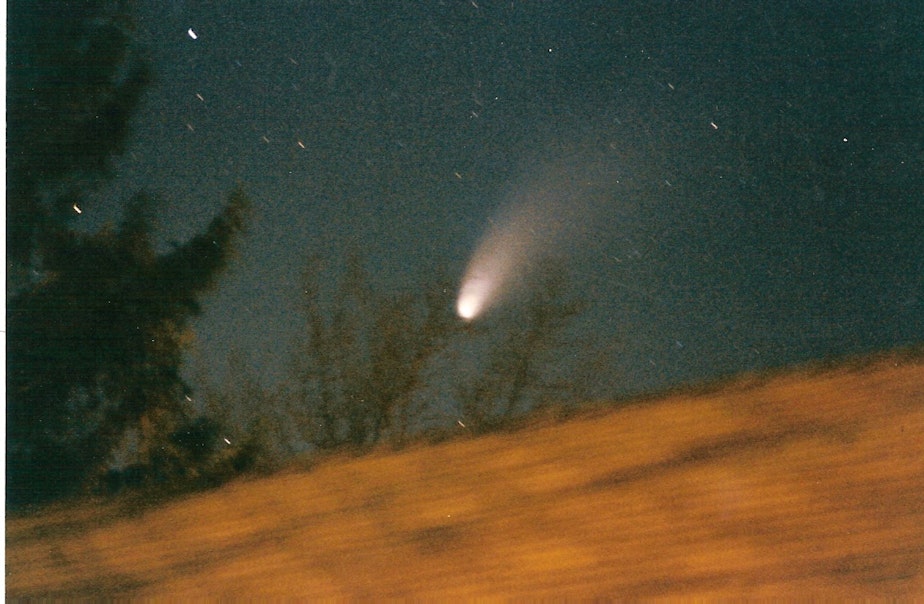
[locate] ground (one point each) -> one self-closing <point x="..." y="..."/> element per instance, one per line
<point x="800" y="483"/>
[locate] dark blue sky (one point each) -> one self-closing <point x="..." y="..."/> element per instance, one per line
<point x="747" y="183"/>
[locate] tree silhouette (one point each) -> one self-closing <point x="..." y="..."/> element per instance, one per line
<point x="364" y="360"/>
<point x="97" y="321"/>
<point x="361" y="358"/>
<point x="73" y="80"/>
<point x="526" y="343"/>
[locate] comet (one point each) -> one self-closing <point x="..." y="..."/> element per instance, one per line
<point x="472" y="297"/>
<point x="541" y="215"/>
<point x="505" y="248"/>
<point x="517" y="237"/>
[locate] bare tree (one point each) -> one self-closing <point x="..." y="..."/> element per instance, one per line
<point x="361" y="361"/>
<point x="527" y="344"/>
<point x="408" y="332"/>
<point x="315" y="367"/>
<point x="364" y="360"/>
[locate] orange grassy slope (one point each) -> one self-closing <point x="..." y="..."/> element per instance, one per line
<point x="799" y="484"/>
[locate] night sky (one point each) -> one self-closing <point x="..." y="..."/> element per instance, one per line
<point x="737" y="185"/>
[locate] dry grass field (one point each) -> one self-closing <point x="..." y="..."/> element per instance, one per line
<point x="799" y="484"/>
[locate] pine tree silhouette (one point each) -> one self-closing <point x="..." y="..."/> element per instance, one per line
<point x="97" y="322"/>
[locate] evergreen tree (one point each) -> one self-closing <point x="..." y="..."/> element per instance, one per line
<point x="97" y="322"/>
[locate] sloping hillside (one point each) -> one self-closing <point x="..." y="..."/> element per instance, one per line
<point x="793" y="485"/>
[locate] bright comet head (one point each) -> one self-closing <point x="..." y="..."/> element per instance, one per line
<point x="467" y="308"/>
<point x="471" y="299"/>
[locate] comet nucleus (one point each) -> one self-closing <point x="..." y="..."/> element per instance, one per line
<point x="471" y="298"/>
